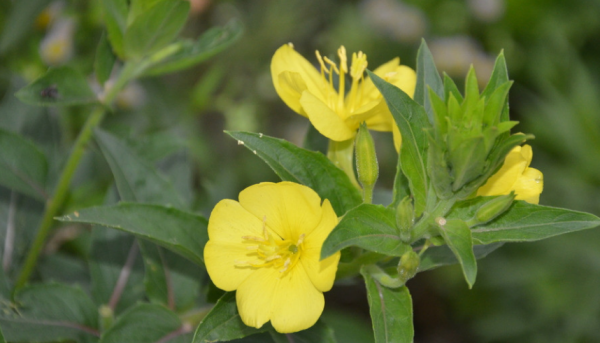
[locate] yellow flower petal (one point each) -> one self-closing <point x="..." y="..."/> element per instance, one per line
<point x="368" y="87"/>
<point x="397" y="137"/>
<point x="291" y="86"/>
<point x="374" y="114"/>
<point x="255" y="296"/>
<point x="325" y="120"/>
<point x="229" y="221"/>
<point x="290" y="209"/>
<point x="321" y="273"/>
<point x="529" y="186"/>
<point x="404" y="78"/>
<point x="505" y="178"/>
<point x="220" y="260"/>
<point x="287" y="59"/>
<point x="298" y="303"/>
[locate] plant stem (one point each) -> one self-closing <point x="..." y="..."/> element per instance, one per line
<point x="422" y="227"/>
<point x="368" y="194"/>
<point x="55" y="203"/>
<point x="383" y="278"/>
<point x="341" y="154"/>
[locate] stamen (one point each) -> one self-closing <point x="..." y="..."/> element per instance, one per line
<point x="252" y="247"/>
<point x="320" y="59"/>
<point x="332" y="64"/>
<point x="343" y="59"/>
<point x="253" y="238"/>
<point x="286" y="265"/>
<point x="300" y="240"/>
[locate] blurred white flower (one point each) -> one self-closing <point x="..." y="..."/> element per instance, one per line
<point x="454" y="55"/>
<point x="132" y="97"/>
<point x="487" y="10"/>
<point x="57" y="47"/>
<point x="399" y="21"/>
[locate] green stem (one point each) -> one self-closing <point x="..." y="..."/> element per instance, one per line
<point x="368" y="194"/>
<point x="422" y="227"/>
<point x="383" y="278"/>
<point x="55" y="203"/>
<point x="341" y="154"/>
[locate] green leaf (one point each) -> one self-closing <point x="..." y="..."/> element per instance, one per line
<point x="427" y="76"/>
<point x="49" y="313"/>
<point x="20" y="22"/>
<point x="59" y="86"/>
<point x="319" y="332"/>
<point x="2" y="340"/>
<point x="371" y="227"/>
<point x="391" y="312"/>
<point x="105" y="59"/>
<point x="209" y="44"/>
<point x="411" y="120"/>
<point x="401" y="186"/>
<point x="182" y="232"/>
<point x="23" y="167"/>
<point x="457" y="235"/>
<point x="170" y="280"/>
<point x="309" y="168"/>
<point x="223" y="323"/>
<point x="143" y="323"/>
<point x="499" y="76"/>
<point x="436" y="257"/>
<point x="155" y="28"/>
<point x="136" y="179"/>
<point x="115" y="15"/>
<point x="525" y="222"/>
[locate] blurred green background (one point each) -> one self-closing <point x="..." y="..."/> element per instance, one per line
<point x="536" y="292"/>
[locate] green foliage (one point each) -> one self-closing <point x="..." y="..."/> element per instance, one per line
<point x="59" y="86"/>
<point x="105" y="60"/>
<point x="457" y="235"/>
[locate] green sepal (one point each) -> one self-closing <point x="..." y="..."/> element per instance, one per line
<point x="495" y="103"/>
<point x="438" y="171"/>
<point x="467" y="161"/>
<point x="405" y="218"/>
<point x="450" y="88"/>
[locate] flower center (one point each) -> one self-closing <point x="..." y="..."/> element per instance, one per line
<point x="336" y="100"/>
<point x="282" y="254"/>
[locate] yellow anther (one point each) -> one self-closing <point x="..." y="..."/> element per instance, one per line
<point x="291" y="45"/>
<point x="332" y="64"/>
<point x="286" y="265"/>
<point x="359" y="64"/>
<point x="343" y="59"/>
<point x="253" y="238"/>
<point x="320" y="59"/>
<point x="300" y="239"/>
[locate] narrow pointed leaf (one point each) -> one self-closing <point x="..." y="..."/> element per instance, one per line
<point x="105" y="59"/>
<point x="155" y="28"/>
<point x="23" y="167"/>
<point x="411" y="120"/>
<point x="450" y="88"/>
<point x="440" y="256"/>
<point x="391" y="312"/>
<point x="59" y="86"/>
<point x="457" y="235"/>
<point x="371" y="227"/>
<point x="209" y="44"/>
<point x="182" y="232"/>
<point x="498" y="77"/>
<point x="143" y="323"/>
<point x="49" y="313"/>
<point x="427" y="76"/>
<point x="309" y="168"/>
<point x="223" y="323"/>
<point x="115" y="16"/>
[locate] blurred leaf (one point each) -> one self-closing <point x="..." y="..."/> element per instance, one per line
<point x="2" y="340"/>
<point x="371" y="227"/>
<point x="59" y="86"/>
<point x="223" y="323"/>
<point x="170" y="280"/>
<point x="23" y="167"/>
<point x="143" y="323"/>
<point x="315" y="141"/>
<point x="427" y="76"/>
<point x="136" y="179"/>
<point x="436" y="257"/>
<point x="49" y="313"/>
<point x="156" y="146"/>
<point x="209" y="44"/>
<point x="20" y="22"/>
<point x="155" y="28"/>
<point x="320" y="332"/>
<point x="412" y="121"/>
<point x="115" y="15"/>
<point x="105" y="59"/>
<point x="138" y="7"/>
<point x="309" y="168"/>
<point x="457" y="235"/>
<point x="182" y="232"/>
<point x="60" y="267"/>
<point x="391" y="312"/>
<point x="348" y="327"/>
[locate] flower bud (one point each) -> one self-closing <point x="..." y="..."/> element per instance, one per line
<point x="409" y="263"/>
<point x="107" y="317"/>
<point x="492" y="209"/>
<point x="405" y="218"/>
<point x="366" y="159"/>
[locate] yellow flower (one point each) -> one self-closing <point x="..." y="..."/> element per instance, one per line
<point x="267" y="246"/>
<point x="332" y="112"/>
<point x="515" y="175"/>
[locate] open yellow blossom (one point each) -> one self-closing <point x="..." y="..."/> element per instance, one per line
<point x="515" y="175"/>
<point x="267" y="246"/>
<point x="335" y="114"/>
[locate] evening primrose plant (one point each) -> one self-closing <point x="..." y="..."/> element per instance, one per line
<point x="151" y="268"/>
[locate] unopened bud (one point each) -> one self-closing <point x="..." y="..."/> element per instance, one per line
<point x="107" y="317"/>
<point x="405" y="218"/>
<point x="409" y="263"/>
<point x="492" y="209"/>
<point x="366" y="159"/>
